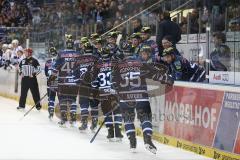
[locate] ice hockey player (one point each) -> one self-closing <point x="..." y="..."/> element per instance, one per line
<point x="146" y="41"/>
<point x="102" y="79"/>
<point x="129" y="77"/>
<point x="167" y="42"/>
<point x="67" y="87"/>
<point x="93" y="38"/>
<point x="135" y="41"/>
<point x="145" y="54"/>
<point x="115" y="52"/>
<point x="180" y="68"/>
<point x="87" y="97"/>
<point x="99" y="42"/>
<point x="52" y="86"/>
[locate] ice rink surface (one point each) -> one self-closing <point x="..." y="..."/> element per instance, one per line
<point x="35" y="137"/>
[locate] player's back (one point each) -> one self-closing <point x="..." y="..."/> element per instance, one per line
<point x="130" y="79"/>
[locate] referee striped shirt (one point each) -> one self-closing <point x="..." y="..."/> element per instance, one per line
<point x="29" y="67"/>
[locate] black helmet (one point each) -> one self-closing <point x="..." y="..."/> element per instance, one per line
<point x="69" y="41"/>
<point x="106" y="52"/>
<point x="94" y="36"/>
<point x="136" y="35"/>
<point x="99" y="40"/>
<point x="87" y="48"/>
<point x="52" y="51"/>
<point x="146" y="30"/>
<point x="112" y="34"/>
<point x="146" y="49"/>
<point x="84" y="40"/>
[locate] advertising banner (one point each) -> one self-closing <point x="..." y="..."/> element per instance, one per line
<point x="191" y="114"/>
<point x="221" y="77"/>
<point x="206" y="117"/>
<point x="228" y="123"/>
<point x="237" y="143"/>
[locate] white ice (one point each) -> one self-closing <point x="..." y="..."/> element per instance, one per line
<point x="35" y="137"/>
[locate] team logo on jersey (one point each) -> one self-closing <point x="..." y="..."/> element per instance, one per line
<point x="178" y="65"/>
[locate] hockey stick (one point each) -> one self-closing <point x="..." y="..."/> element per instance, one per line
<point x="34" y="106"/>
<point x="100" y="127"/>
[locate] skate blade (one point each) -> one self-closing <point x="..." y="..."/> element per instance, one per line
<point x="149" y="148"/>
<point x="111" y="139"/>
<point x="133" y="150"/>
<point x="82" y="131"/>
<point x="62" y="126"/>
<point x="21" y="110"/>
<point x="118" y="139"/>
<point x="73" y="125"/>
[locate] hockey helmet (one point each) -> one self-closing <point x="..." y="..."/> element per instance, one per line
<point x="146" y="30"/>
<point x="69" y="41"/>
<point x="168" y="51"/>
<point x="99" y="40"/>
<point x="52" y="51"/>
<point x="84" y="40"/>
<point x="112" y="34"/>
<point x="106" y="52"/>
<point x="136" y="35"/>
<point x="88" y="48"/>
<point x="94" y="36"/>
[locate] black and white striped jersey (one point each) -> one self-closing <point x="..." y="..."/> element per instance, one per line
<point x="29" y="67"/>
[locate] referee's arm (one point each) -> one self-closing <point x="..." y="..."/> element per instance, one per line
<point x="37" y="68"/>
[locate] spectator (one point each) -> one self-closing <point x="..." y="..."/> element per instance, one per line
<point x="220" y="57"/>
<point x="167" y="27"/>
<point x="167" y="42"/>
<point x="194" y="18"/>
<point x="137" y="25"/>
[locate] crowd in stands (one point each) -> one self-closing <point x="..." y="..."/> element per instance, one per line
<point x="14" y="13"/>
<point x="50" y="19"/>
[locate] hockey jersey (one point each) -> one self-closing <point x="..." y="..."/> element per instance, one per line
<point x="48" y="70"/>
<point x="64" y="67"/>
<point x="130" y="78"/>
<point x="153" y="45"/>
<point x="102" y="77"/>
<point x="83" y="64"/>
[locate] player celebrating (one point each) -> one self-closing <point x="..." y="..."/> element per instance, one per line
<point x="135" y="41"/>
<point x="86" y="92"/>
<point x="115" y="52"/>
<point x="146" y="41"/>
<point x="102" y="79"/>
<point x="51" y="87"/>
<point x="67" y="87"/>
<point x="130" y="78"/>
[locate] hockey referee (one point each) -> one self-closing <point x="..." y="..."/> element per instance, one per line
<point x="29" y="68"/>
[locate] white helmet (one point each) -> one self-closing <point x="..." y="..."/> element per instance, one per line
<point x="5" y="46"/>
<point x="15" y="41"/>
<point x="10" y="46"/>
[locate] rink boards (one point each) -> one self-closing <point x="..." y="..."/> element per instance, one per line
<point x="201" y="118"/>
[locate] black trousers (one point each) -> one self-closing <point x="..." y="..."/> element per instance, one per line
<point x="32" y="84"/>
